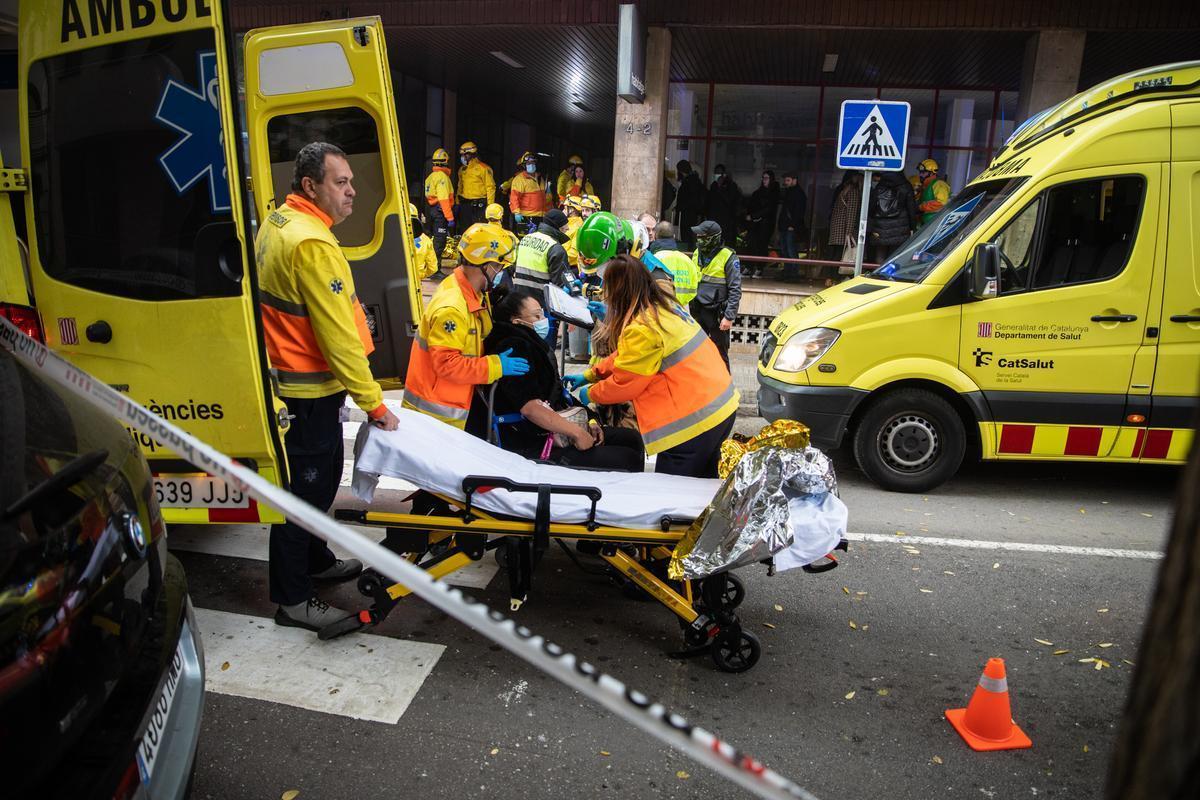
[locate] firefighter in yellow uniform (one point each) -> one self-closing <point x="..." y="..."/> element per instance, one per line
<point x="447" y="360"/>
<point x="572" y="182"/>
<point x="935" y="192"/>
<point x="318" y="342"/>
<point x="527" y="198"/>
<point x="573" y="207"/>
<point x="439" y="195"/>
<point x="476" y="186"/>
<point x="425" y="259"/>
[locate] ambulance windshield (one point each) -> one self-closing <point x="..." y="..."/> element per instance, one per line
<point x="965" y="212"/>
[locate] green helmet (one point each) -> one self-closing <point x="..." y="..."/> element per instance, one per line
<point x="602" y="236"/>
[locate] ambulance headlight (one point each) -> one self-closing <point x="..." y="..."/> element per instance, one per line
<point x="805" y="349"/>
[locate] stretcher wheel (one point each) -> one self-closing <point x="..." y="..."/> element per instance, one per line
<point x="723" y="592"/>
<point x="369" y="584"/>
<point x="736" y="653"/>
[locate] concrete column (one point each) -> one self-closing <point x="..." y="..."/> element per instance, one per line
<point x="640" y="140"/>
<point x="1051" y="72"/>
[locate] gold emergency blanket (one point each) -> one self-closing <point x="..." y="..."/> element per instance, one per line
<point x="780" y="433"/>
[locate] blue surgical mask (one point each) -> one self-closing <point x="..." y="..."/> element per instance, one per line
<point x="542" y="327"/>
<point x="717" y="176"/>
<point x="465" y="160"/>
<point x="531" y="168"/>
<point x="498" y="278"/>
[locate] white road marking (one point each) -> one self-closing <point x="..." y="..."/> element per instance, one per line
<point x="251" y="542"/>
<point x="1026" y="547"/>
<point x="361" y="676"/>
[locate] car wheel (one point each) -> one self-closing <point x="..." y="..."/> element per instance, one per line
<point x="910" y="440"/>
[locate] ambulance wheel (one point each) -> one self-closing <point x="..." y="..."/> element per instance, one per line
<point x="910" y="440"/>
<point x="736" y="653"/>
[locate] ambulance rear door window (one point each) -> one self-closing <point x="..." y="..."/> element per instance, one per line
<point x="130" y="194"/>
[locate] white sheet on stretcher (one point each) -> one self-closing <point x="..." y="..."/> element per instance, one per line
<point x="436" y="457"/>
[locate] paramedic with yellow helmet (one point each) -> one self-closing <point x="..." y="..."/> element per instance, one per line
<point x="424" y="257"/>
<point x="934" y="191"/>
<point x="447" y="360"/>
<point x="527" y="199"/>
<point x="572" y="180"/>
<point x="476" y="186"/>
<point x="439" y="195"/>
<point x="318" y="341"/>
<point x="494" y="213"/>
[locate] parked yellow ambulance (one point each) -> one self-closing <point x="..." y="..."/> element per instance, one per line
<point x="146" y="171"/>
<point x="1051" y="311"/>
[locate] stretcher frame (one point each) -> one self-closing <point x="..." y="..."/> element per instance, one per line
<point x="637" y="558"/>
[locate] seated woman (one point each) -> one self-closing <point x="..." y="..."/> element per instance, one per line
<point x="519" y="325"/>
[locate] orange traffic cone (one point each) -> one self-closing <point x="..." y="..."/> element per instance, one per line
<point x="986" y="723"/>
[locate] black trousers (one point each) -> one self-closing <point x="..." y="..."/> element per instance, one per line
<point x="622" y="451"/>
<point x="709" y="319"/>
<point x="314" y="454"/>
<point x="699" y="456"/>
<point x="470" y="212"/>
<point x="439" y="229"/>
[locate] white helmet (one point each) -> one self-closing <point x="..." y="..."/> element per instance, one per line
<point x="641" y="238"/>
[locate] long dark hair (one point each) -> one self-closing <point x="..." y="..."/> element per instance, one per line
<point x="632" y="294"/>
<point x="507" y="305"/>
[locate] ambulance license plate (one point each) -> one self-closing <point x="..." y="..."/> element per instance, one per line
<point x="197" y="491"/>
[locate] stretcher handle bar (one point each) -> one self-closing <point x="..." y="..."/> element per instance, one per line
<point x="473" y="483"/>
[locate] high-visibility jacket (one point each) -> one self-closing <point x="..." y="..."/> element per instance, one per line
<point x="315" y="329"/>
<point x="447" y="360"/>
<point x="542" y="259"/>
<point x="440" y="192"/>
<point x="720" y="282"/>
<point x="672" y="372"/>
<point x="685" y="272"/>
<point x="935" y="192"/>
<point x="528" y="195"/>
<point x="476" y="182"/>
<point x="570" y="246"/>
<point x="424" y="258"/>
<point x="569" y="185"/>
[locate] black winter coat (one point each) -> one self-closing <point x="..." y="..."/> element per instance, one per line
<point x="792" y="208"/>
<point x="891" y="211"/>
<point x="722" y="204"/>
<point x="690" y="198"/>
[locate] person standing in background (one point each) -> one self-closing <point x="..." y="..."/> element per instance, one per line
<point x="935" y="192"/>
<point x="722" y="204"/>
<point x="425" y="259"/>
<point x="527" y="198"/>
<point x="891" y="215"/>
<point x="689" y="201"/>
<point x="476" y="186"/>
<point x="572" y="181"/>
<point x="439" y="196"/>
<point x="843" y="218"/>
<point x="760" y="214"/>
<point x="719" y="292"/>
<point x="792" y="207"/>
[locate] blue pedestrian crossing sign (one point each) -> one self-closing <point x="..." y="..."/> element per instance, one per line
<point x="873" y="134"/>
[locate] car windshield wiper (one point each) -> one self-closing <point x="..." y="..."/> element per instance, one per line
<point x="72" y="473"/>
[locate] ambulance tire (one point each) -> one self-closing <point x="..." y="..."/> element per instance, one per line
<point x="910" y="440"/>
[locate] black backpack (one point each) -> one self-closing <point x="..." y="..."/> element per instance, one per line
<point x="888" y="204"/>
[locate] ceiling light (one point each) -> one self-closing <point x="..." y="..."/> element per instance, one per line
<point x="830" y="64"/>
<point x="507" y="59"/>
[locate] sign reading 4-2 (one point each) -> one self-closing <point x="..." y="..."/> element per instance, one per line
<point x="200" y="151"/>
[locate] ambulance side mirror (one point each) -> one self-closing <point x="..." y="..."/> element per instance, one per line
<point x="984" y="277"/>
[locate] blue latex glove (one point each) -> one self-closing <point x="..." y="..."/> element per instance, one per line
<point x="599" y="310"/>
<point x="575" y="288"/>
<point x="449" y="224"/>
<point x="573" y="382"/>
<point x="512" y="365"/>
<point x="583" y="395"/>
<point x="518" y="218"/>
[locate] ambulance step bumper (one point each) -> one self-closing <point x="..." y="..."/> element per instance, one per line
<point x="825" y="410"/>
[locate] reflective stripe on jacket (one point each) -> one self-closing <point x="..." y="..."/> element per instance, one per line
<point x="720" y="282"/>
<point x="315" y="329"/>
<point x="934" y="195"/>
<point x="476" y="182"/>
<point x="447" y="360"/>
<point x="425" y="260"/>
<point x="573" y="226"/>
<point x="528" y="195"/>
<point x="542" y="259"/>
<point x="673" y="374"/>
<point x="440" y="192"/>
<point x="684" y="271"/>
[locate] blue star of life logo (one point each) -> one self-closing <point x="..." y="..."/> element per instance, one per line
<point x="200" y="151"/>
<point x="449" y="326"/>
<point x="336" y="286"/>
<point x="495" y="245"/>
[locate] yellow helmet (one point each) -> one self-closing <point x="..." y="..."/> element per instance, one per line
<point x="484" y="242"/>
<point x="494" y="212"/>
<point x="441" y="157"/>
<point x="526" y="156"/>
<point x="412" y="210"/>
<point x="573" y="204"/>
<point x="468" y="149"/>
<point x="929" y="165"/>
<point x="575" y="161"/>
<point x="591" y="202"/>
<point x="915" y="180"/>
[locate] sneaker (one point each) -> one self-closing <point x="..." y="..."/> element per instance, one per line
<point x="340" y="570"/>
<point x="313" y="614"/>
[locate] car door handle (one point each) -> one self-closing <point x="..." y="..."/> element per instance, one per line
<point x="1186" y="318"/>
<point x="1115" y="318"/>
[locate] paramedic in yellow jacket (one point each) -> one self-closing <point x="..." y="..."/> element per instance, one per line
<point x="318" y="342"/>
<point x="476" y="186"/>
<point x="439" y="196"/>
<point x="572" y="181"/>
<point x="573" y="206"/>
<point x="527" y="198"/>
<point x="666" y="365"/>
<point x="447" y="360"/>
<point x="934" y="193"/>
<point x="425" y="259"/>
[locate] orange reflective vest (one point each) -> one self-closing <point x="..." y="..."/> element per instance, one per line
<point x="315" y="329"/>
<point x="447" y="360"/>
<point x="439" y="191"/>
<point x="527" y="195"/>
<point x="673" y="374"/>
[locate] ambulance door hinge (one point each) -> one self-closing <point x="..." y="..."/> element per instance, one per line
<point x="361" y="35"/>
<point x="13" y="179"/>
<point x="249" y="185"/>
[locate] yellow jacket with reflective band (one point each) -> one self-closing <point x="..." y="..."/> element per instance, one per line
<point x="315" y="329"/>
<point x="673" y="374"/>
<point x="476" y="182"/>
<point x="528" y="195"/>
<point x="685" y="272"/>
<point x="714" y="272"/>
<point x="568" y="186"/>
<point x="440" y="192"/>
<point x="447" y="360"/>
<point x="533" y="261"/>
<point x="573" y="226"/>
<point x="423" y="256"/>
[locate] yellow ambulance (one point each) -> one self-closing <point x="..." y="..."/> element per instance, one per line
<point x="1051" y="311"/>
<point x="145" y="170"/>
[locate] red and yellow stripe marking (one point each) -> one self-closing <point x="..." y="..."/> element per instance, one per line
<point x="1067" y="442"/>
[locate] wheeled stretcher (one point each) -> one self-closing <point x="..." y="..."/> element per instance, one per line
<point x="518" y="508"/>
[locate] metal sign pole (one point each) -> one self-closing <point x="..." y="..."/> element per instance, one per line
<point x="862" y="223"/>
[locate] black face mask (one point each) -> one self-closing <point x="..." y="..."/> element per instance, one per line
<point x="709" y="244"/>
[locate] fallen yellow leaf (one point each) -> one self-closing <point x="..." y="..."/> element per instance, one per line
<point x="996" y="565"/>
<point x="846" y="589"/>
<point x="1085" y="748"/>
<point x="1127" y="661"/>
<point x="605" y="753"/>
<point x="1144" y="514"/>
<point x="864" y="627"/>
<point x="861" y="594"/>
<point x="883" y="692"/>
<point x="912" y="551"/>
<point x="1102" y="664"/>
<point x="1105" y="644"/>
<point x="778" y="607"/>
<point x="768" y="625"/>
<point x="225" y="666"/>
<point x="683" y="776"/>
<point x="899" y="533"/>
<point x="290" y="794"/>
<point x="850" y="695"/>
<point x="1086" y="660"/>
<point x="1101" y="610"/>
<point x="937" y="759"/>
<point x="494" y="751"/>
<point x="947" y="572"/>
<point x="1081" y="511"/>
<point x="1043" y="641"/>
<point x="1061" y="652"/>
<point x="927" y="591"/>
<point x="853" y="625"/>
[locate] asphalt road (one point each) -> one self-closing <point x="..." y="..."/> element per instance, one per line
<point x="858" y="664"/>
